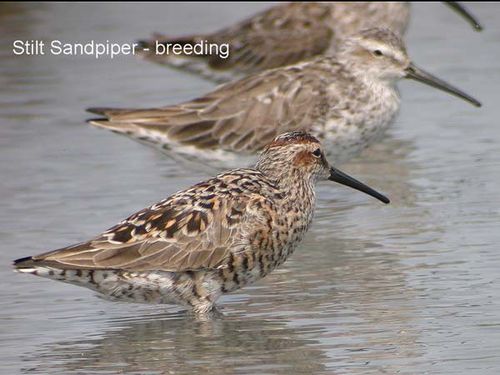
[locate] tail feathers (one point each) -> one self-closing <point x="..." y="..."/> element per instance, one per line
<point x="113" y="112"/>
<point x="99" y="110"/>
<point x="81" y="277"/>
<point x="122" y="113"/>
<point x="28" y="265"/>
<point x="143" y="43"/>
<point x="26" y="262"/>
<point x="50" y="269"/>
<point x="119" y="127"/>
<point x="163" y="39"/>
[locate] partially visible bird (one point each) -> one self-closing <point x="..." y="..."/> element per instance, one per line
<point x="282" y="35"/>
<point x="205" y="241"/>
<point x="346" y="101"/>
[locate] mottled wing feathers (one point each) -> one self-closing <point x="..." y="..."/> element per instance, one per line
<point x="279" y="36"/>
<point x="242" y="116"/>
<point x="268" y="43"/>
<point x="194" y="229"/>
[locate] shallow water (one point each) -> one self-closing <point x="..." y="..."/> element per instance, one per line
<point x="410" y="288"/>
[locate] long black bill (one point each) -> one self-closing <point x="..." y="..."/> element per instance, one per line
<point x="465" y="14"/>
<point x="344" y="179"/>
<point x="420" y="75"/>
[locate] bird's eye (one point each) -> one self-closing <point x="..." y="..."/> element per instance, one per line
<point x="317" y="153"/>
<point x="378" y="52"/>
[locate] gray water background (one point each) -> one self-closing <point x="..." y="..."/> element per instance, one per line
<point x="409" y="288"/>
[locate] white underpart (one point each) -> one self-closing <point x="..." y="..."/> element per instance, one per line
<point x="213" y="158"/>
<point x="348" y="135"/>
<point x="137" y="287"/>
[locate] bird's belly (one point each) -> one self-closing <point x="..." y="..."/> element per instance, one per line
<point x="194" y="157"/>
<point x="345" y="137"/>
<point x="154" y="287"/>
<point x="248" y="268"/>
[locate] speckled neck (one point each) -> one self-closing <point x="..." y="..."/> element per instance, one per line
<point x="296" y="188"/>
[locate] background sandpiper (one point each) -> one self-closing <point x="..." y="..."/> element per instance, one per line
<point x="347" y="101"/>
<point x="286" y="34"/>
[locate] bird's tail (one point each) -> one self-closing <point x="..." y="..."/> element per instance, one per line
<point x="37" y="268"/>
<point x="125" y="127"/>
<point x="150" y="47"/>
<point x="26" y="265"/>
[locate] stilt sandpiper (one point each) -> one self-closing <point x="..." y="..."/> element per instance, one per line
<point x="346" y="101"/>
<point x="210" y="239"/>
<point x="282" y="35"/>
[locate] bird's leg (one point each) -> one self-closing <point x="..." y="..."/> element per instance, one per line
<point x="206" y="314"/>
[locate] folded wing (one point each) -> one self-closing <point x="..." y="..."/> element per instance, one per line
<point x="191" y="230"/>
<point x="242" y="116"/>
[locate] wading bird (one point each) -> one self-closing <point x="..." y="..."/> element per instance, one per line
<point x="284" y="34"/>
<point x="208" y="240"/>
<point x="347" y="101"/>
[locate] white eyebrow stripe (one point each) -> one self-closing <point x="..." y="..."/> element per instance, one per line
<point x="386" y="50"/>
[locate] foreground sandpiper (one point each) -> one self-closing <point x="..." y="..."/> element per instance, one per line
<point x="210" y="239"/>
<point x="285" y="34"/>
<point x="346" y="101"/>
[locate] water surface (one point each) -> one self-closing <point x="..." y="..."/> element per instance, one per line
<point x="410" y="288"/>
